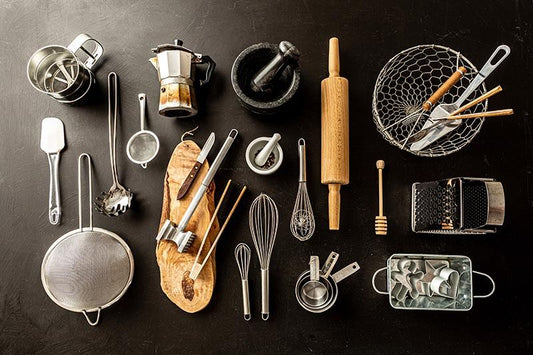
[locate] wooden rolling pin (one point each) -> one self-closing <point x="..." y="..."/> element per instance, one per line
<point x="335" y="134"/>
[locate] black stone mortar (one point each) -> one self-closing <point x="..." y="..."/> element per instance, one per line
<point x="247" y="64"/>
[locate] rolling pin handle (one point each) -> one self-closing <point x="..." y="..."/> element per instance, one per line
<point x="334" y="203"/>
<point x="334" y="66"/>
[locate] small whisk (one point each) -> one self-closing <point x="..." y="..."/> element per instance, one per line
<point x="242" y="256"/>
<point x="263" y="218"/>
<point x="302" y="220"/>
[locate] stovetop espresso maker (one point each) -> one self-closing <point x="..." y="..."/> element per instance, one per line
<point x="176" y="66"/>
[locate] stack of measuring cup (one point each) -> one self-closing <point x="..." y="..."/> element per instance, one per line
<point x="316" y="289"/>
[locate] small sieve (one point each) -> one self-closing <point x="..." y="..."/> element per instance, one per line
<point x="87" y="269"/>
<point x="143" y="145"/>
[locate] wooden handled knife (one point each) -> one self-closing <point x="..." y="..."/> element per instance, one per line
<point x="197" y="165"/>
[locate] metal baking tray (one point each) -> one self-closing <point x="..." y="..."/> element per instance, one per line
<point x="460" y="267"/>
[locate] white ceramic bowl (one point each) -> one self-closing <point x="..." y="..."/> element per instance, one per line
<point x="254" y="148"/>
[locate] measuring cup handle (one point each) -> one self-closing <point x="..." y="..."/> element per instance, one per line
<point x="95" y="322"/>
<point x="491" y="280"/>
<point x="374" y="281"/>
<point x="210" y="68"/>
<point x="94" y="56"/>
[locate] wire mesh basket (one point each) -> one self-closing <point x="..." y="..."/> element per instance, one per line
<point x="407" y="81"/>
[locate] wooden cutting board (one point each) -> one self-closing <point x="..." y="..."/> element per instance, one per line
<point x="190" y="295"/>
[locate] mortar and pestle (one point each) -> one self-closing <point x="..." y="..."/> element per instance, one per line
<point x="266" y="76"/>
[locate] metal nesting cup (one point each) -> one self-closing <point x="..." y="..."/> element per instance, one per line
<point x="315" y="305"/>
<point x="59" y="72"/>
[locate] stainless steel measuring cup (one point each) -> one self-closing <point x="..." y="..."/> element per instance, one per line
<point x="61" y="73"/>
<point x="143" y="146"/>
<point x="331" y="283"/>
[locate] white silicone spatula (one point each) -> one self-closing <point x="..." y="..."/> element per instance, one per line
<point x="52" y="142"/>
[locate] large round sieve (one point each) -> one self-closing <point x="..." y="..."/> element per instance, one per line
<point x="143" y="146"/>
<point x="406" y="81"/>
<point x="87" y="269"/>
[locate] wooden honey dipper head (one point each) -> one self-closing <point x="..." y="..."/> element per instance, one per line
<point x="381" y="220"/>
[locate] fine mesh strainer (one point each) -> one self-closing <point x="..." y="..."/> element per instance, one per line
<point x="143" y="145"/>
<point x="87" y="269"/>
<point x="407" y="81"/>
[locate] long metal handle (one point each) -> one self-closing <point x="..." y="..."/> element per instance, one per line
<point x="301" y="155"/>
<point x="265" y="311"/>
<point x="207" y="180"/>
<point x="90" y="183"/>
<point x="329" y="264"/>
<point x="54" y="206"/>
<point x="112" y="112"/>
<point x="314" y="272"/>
<point x="142" y="108"/>
<point x="345" y="272"/>
<point x="484" y="72"/>
<point x="246" y="300"/>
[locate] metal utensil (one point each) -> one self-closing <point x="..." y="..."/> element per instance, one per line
<point x="444" y="110"/>
<point x="329" y="264"/>
<point x="303" y="220"/>
<point x="263" y="219"/>
<point x="52" y="142"/>
<point x="59" y="72"/>
<point x="143" y="145"/>
<point x="169" y="231"/>
<point x="196" y="168"/>
<point x="118" y="199"/>
<point x="89" y="268"/>
<point x="242" y="256"/>
<point x="314" y="292"/>
<point x="405" y="83"/>
<point x="424" y="132"/>
<point x="331" y="283"/>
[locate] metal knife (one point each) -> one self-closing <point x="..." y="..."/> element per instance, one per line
<point x="197" y="165"/>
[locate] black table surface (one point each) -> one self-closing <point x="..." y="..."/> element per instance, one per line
<point x="370" y="32"/>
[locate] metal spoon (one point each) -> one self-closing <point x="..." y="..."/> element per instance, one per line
<point x="118" y="199"/>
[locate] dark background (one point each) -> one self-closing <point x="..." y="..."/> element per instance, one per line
<point x="370" y="32"/>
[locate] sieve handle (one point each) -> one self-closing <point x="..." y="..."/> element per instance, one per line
<point x="95" y="322"/>
<point x="90" y="183"/>
<point x="93" y="56"/>
<point x="444" y="88"/>
<point x="142" y="108"/>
